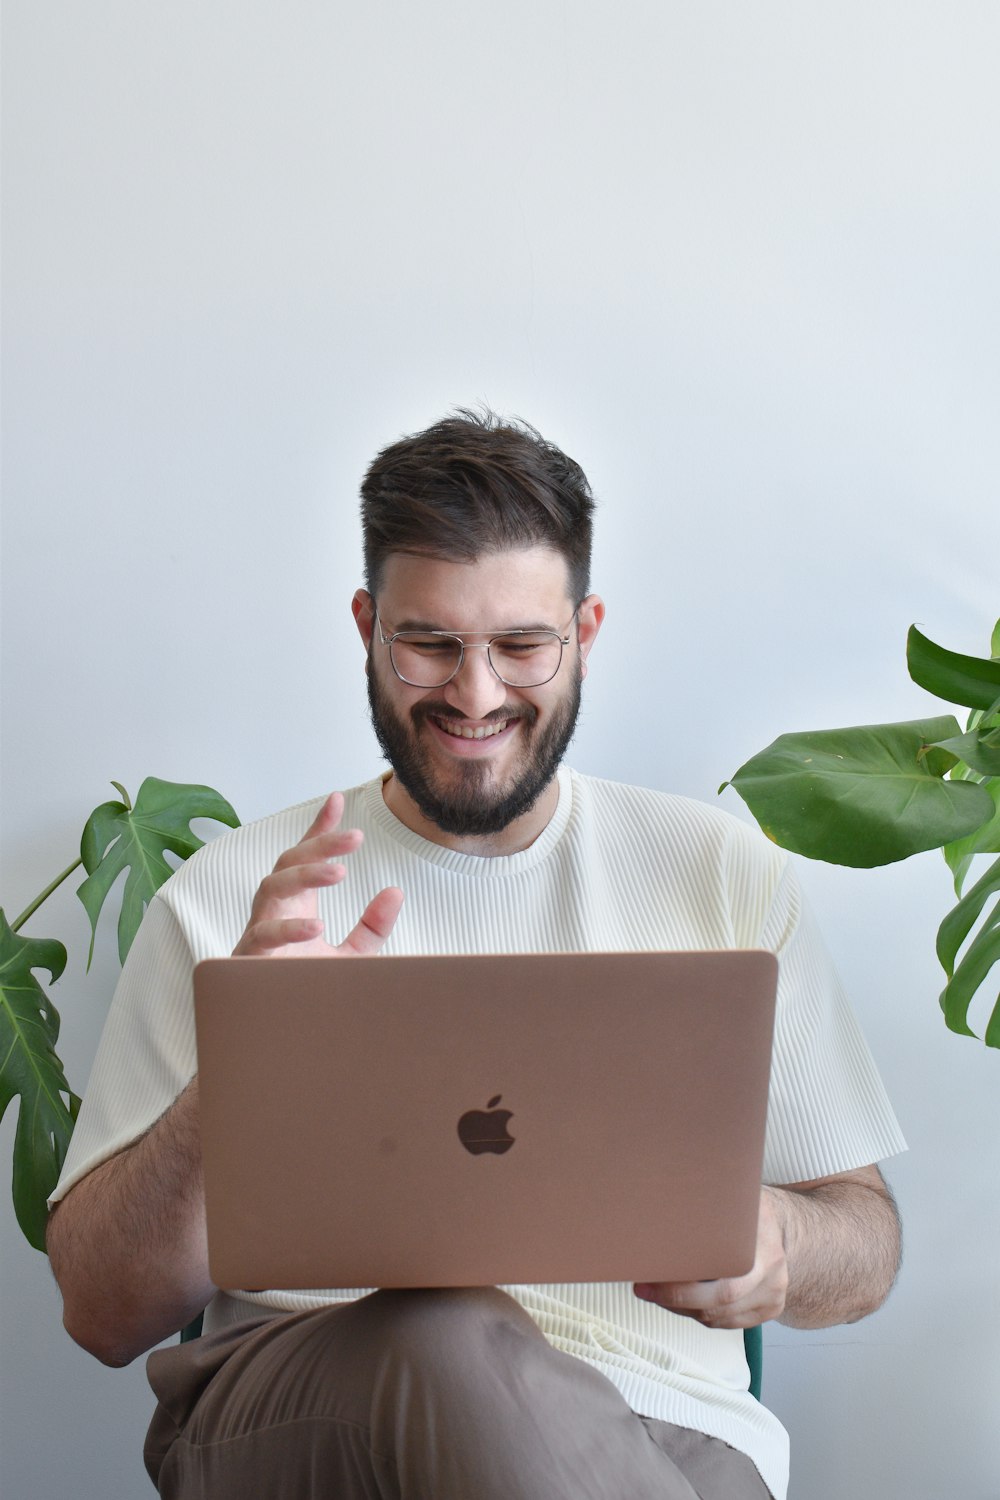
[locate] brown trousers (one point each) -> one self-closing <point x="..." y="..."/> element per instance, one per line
<point x="418" y="1395"/>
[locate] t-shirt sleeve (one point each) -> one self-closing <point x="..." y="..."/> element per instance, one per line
<point x="828" y="1110"/>
<point x="147" y="1051"/>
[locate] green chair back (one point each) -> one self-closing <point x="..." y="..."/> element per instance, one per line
<point x="753" y="1343"/>
<point x="193" y="1329"/>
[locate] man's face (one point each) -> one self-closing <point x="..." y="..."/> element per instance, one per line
<point x="475" y="754"/>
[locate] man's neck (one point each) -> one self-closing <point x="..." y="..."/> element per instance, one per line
<point x="518" y="835"/>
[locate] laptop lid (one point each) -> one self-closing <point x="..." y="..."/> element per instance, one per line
<point x="483" y="1120"/>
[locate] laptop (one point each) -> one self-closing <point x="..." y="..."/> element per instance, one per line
<point x="483" y="1120"/>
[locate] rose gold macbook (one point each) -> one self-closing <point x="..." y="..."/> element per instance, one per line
<point x="462" y="1121"/>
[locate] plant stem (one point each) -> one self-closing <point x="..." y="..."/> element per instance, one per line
<point x="30" y="910"/>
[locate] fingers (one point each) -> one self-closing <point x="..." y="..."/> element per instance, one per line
<point x="285" y="917"/>
<point x="287" y="883"/>
<point x="263" y="938"/>
<point x="322" y="842"/>
<point x="717" y="1304"/>
<point x="311" y="863"/>
<point x="328" y="816"/>
<point x="285" y="907"/>
<point x="367" y="937"/>
<point x="285" y="911"/>
<point x="740" y="1303"/>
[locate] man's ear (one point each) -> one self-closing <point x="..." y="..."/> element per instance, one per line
<point x="363" y="610"/>
<point x="589" y="619"/>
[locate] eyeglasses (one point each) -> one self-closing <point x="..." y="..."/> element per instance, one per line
<point x="431" y="658"/>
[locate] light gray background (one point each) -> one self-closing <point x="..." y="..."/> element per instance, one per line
<point x="742" y="262"/>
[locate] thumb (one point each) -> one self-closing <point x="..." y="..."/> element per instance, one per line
<point x="377" y="921"/>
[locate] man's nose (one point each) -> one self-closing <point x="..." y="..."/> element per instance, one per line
<point x="475" y="690"/>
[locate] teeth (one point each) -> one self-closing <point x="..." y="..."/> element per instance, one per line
<point x="464" y="732"/>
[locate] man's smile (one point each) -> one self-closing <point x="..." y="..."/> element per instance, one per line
<point x="472" y="739"/>
<point x="461" y="730"/>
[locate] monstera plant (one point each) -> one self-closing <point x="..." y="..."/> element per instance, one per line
<point x="119" y="837"/>
<point x="881" y="792"/>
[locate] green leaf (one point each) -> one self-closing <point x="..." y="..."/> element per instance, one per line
<point x="862" y="796"/>
<point x="995" y="641"/>
<point x="29" y="1067"/>
<point x="962" y="918"/>
<point x="984" y="952"/>
<point x="979" y="749"/>
<point x="119" y="837"/>
<point x="992" y="1035"/>
<point x="986" y="840"/>
<point x="971" y="680"/>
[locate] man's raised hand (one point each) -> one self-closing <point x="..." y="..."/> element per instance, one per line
<point x="284" y="917"/>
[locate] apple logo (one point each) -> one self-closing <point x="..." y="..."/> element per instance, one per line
<point x="482" y="1130"/>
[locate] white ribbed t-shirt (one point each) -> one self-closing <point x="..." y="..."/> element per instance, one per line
<point x="617" y="868"/>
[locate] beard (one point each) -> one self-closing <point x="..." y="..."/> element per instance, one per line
<point x="469" y="802"/>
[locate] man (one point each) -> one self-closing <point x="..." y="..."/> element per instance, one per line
<point x="478" y="626"/>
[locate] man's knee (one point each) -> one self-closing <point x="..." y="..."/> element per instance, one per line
<point x="429" y="1326"/>
<point x="358" y="1363"/>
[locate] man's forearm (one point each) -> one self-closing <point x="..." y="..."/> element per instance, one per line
<point x="842" y="1246"/>
<point x="127" y="1244"/>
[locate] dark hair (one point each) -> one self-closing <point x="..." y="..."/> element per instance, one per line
<point x="473" y="484"/>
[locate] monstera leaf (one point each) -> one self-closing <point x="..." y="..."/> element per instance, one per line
<point x="29" y="1067"/>
<point x="120" y="836"/>
<point x="971" y="680"/>
<point x="881" y="792"/>
<point x="863" y="796"/>
<point x="986" y="840"/>
<point x="966" y="974"/>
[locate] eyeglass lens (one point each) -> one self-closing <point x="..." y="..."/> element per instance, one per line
<point x="518" y="660"/>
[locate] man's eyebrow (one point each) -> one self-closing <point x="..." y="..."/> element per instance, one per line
<point x="427" y="625"/>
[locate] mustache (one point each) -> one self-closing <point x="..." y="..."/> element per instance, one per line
<point x="421" y="711"/>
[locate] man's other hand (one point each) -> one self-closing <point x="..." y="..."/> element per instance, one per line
<point x="738" y="1302"/>
<point x="827" y="1253"/>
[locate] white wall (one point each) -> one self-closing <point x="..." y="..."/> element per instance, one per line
<point x="741" y="261"/>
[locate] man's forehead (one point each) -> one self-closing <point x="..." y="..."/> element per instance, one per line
<point x="525" y="585"/>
